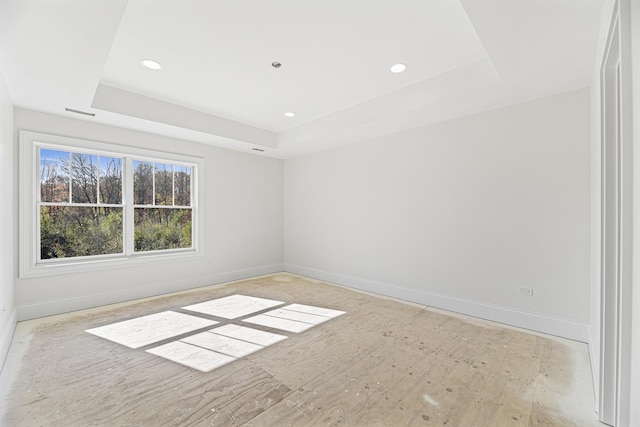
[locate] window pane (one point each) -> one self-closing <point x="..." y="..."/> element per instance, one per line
<point x="84" y="178"/>
<point x="182" y="185"/>
<point x="142" y="183"/>
<point x="161" y="228"/>
<point x="68" y="231"/>
<point x="164" y="184"/>
<point x="54" y="175"/>
<point x="110" y="180"/>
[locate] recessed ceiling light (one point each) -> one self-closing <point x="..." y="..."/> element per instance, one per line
<point x="398" y="68"/>
<point x="290" y="114"/>
<point x="151" y="64"/>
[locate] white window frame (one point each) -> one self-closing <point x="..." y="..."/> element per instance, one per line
<point x="29" y="223"/>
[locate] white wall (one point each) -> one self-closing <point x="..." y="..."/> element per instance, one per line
<point x="457" y="215"/>
<point x="594" y="323"/>
<point x="634" y="395"/>
<point x="7" y="259"/>
<point x="244" y="229"/>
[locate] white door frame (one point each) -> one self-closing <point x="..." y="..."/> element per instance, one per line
<point x="616" y="237"/>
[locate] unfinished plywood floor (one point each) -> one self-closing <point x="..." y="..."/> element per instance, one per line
<point x="382" y="363"/>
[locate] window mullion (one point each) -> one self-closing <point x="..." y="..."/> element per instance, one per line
<point x="153" y="183"/>
<point x="98" y="181"/>
<point x="70" y="177"/>
<point x="128" y="220"/>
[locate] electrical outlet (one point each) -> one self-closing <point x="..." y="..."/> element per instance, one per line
<point x="525" y="291"/>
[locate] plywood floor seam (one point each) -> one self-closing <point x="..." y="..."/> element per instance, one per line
<point x="381" y="363"/>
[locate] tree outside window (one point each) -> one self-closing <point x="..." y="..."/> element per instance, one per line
<point x="162" y="206"/>
<point x="82" y="209"/>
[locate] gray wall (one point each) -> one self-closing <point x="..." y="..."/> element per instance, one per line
<point x="7" y="224"/>
<point x="457" y="215"/>
<point x="244" y="230"/>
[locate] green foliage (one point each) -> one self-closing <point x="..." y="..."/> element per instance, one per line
<point x="67" y="231"/>
<point x="159" y="229"/>
<point x="93" y="180"/>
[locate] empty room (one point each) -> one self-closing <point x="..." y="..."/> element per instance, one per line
<point x="301" y="213"/>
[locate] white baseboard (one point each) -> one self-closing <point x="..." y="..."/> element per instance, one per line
<point x="7" y="334"/>
<point x="532" y="321"/>
<point x="49" y="308"/>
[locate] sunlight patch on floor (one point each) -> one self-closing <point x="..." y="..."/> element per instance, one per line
<point x="326" y="312"/>
<point x="208" y="350"/>
<point x="142" y="331"/>
<point x="294" y="317"/>
<point x="255" y="336"/>
<point x="221" y="344"/>
<point x="233" y="306"/>
<point x="192" y="356"/>
<point x="279" y="323"/>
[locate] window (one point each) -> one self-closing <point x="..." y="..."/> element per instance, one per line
<point x="162" y="206"/>
<point x="81" y="207"/>
<point x="98" y="204"/>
